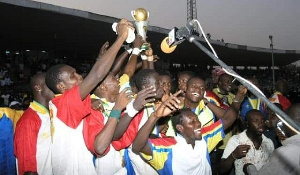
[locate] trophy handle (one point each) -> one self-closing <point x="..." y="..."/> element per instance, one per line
<point x="132" y="14"/>
<point x="148" y="14"/>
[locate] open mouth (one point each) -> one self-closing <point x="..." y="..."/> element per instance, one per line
<point x="198" y="130"/>
<point x="260" y="130"/>
<point x="196" y="94"/>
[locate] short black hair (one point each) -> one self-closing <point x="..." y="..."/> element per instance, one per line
<point x="142" y="77"/>
<point x="177" y="118"/>
<point x="252" y="112"/>
<point x="282" y="86"/>
<point x="190" y="73"/>
<point x="53" y="77"/>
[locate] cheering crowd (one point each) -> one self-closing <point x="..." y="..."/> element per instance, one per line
<point x="133" y="120"/>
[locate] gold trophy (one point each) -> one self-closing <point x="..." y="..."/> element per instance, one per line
<point x="140" y="16"/>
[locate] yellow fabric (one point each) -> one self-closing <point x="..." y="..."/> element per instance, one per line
<point x="225" y="140"/>
<point x="158" y="165"/>
<point x="38" y="107"/>
<point x="214" y="137"/>
<point x="230" y="95"/>
<point x="124" y="79"/>
<point x="205" y="115"/>
<point x="13" y="114"/>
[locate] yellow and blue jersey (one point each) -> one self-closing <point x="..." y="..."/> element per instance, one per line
<point x="172" y="155"/>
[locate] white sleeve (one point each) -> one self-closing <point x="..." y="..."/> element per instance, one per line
<point x="231" y="145"/>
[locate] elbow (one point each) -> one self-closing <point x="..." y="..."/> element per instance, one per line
<point x="101" y="150"/>
<point x="135" y="149"/>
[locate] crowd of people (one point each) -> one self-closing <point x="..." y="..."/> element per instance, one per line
<point x="124" y="116"/>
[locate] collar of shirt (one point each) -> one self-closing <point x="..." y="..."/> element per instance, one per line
<point x="38" y="107"/>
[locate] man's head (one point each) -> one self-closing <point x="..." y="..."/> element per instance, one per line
<point x="165" y="83"/>
<point x="195" y="90"/>
<point x="183" y="78"/>
<point x="282" y="86"/>
<point x="62" y="77"/>
<point x="187" y="124"/>
<point x="255" y="122"/>
<point x="146" y="78"/>
<point x="255" y="82"/>
<point x="294" y="113"/>
<point x="225" y="83"/>
<point x="272" y="120"/>
<point x="108" y="88"/>
<point x="40" y="90"/>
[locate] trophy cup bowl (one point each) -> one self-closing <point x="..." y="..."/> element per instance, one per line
<point x="140" y="16"/>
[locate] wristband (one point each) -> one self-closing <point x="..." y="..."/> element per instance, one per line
<point x="115" y="114"/>
<point x="136" y="51"/>
<point x="150" y="58"/>
<point x="144" y="57"/>
<point x="129" y="50"/>
<point x="130" y="109"/>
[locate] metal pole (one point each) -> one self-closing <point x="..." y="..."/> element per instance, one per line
<point x="192" y="39"/>
<point x="273" y="65"/>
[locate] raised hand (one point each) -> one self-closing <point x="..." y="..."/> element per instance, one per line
<point x="241" y="92"/>
<point x="155" y="58"/>
<point x="144" y="96"/>
<point x="138" y="42"/>
<point x="124" y="97"/>
<point x="167" y="107"/>
<point x="122" y="28"/>
<point x="97" y="105"/>
<point x="149" y="51"/>
<point x="103" y="49"/>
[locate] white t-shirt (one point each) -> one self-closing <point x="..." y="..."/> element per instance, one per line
<point x="256" y="157"/>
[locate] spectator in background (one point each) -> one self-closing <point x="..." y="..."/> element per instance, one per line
<point x="252" y="102"/>
<point x="271" y="124"/>
<point x="279" y="96"/>
<point x="284" y="160"/>
<point x="165" y="83"/>
<point x="250" y="146"/>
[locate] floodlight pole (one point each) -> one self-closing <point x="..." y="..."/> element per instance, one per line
<point x="273" y="65"/>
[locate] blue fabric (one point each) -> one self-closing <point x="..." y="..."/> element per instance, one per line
<point x="128" y="164"/>
<point x="7" y="158"/>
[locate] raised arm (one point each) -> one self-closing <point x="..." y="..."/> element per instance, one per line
<point x="104" y="137"/>
<point x="116" y="68"/>
<point x="239" y="97"/>
<point x="132" y="62"/>
<point x="164" y="109"/>
<point x="103" y="65"/>
<point x="144" y="96"/>
<point x="150" y="58"/>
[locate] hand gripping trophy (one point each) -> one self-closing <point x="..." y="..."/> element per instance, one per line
<point x="140" y="16"/>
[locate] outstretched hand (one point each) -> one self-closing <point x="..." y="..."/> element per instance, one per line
<point x="144" y="96"/>
<point x="167" y="107"/>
